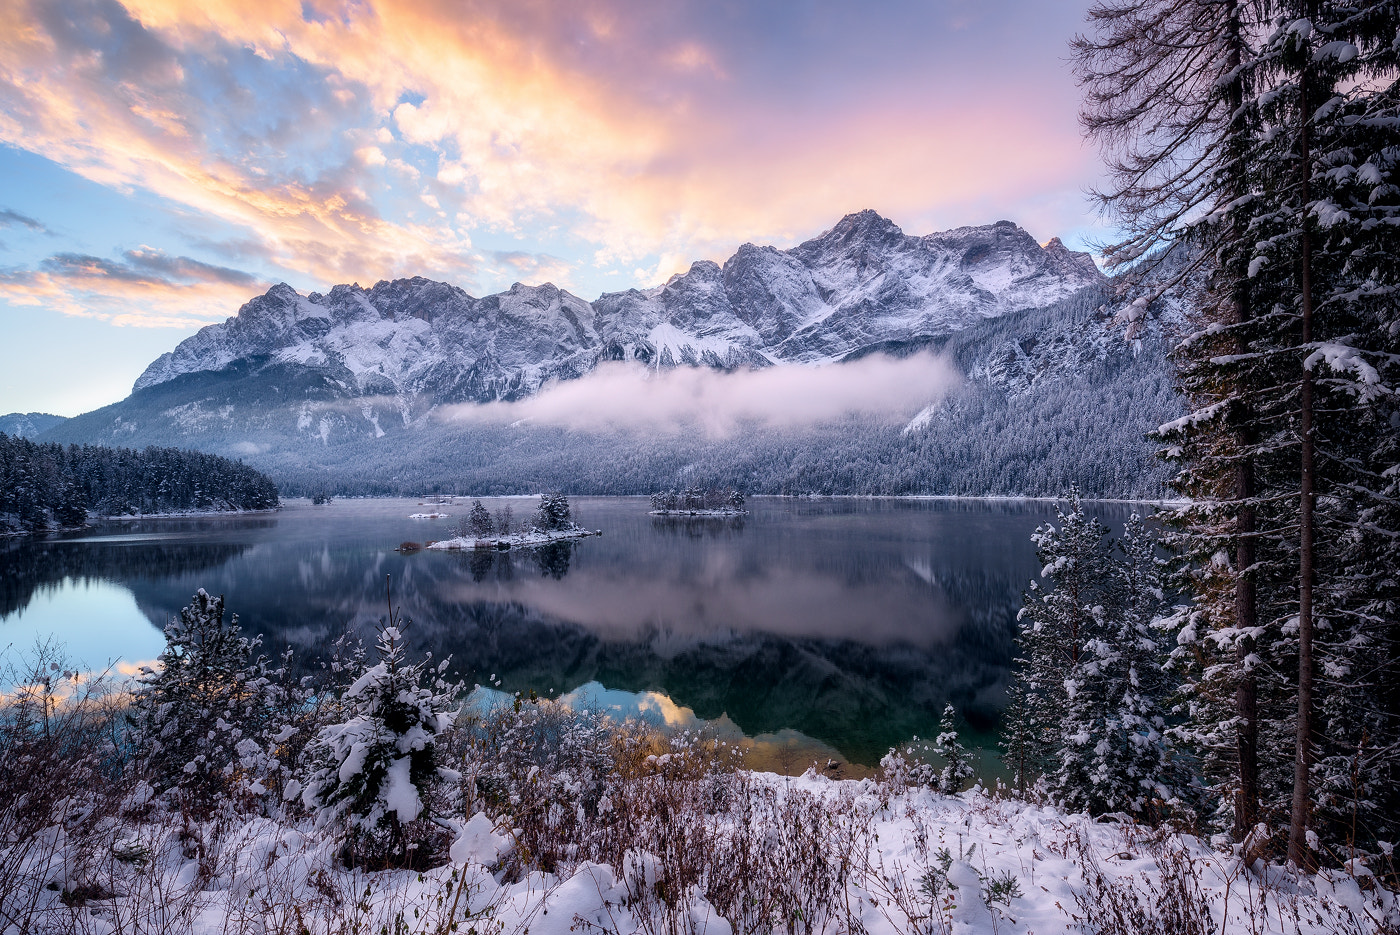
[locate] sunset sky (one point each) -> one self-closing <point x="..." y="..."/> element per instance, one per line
<point x="161" y="161"/>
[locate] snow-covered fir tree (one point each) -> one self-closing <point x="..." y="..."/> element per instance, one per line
<point x="479" y="522"/>
<point x="375" y="774"/>
<point x="1266" y="136"/>
<point x="957" y="764"/>
<point x="209" y="718"/>
<point x="1086" y="715"/>
<point x="553" y="512"/>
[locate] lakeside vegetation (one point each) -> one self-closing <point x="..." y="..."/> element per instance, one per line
<point x="219" y="788"/>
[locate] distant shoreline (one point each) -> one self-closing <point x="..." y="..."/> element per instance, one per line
<point x="130" y="518"/>
<point x="191" y="514"/>
<point x="990" y="498"/>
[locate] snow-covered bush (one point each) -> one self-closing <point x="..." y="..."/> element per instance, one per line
<point x="909" y="764"/>
<point x="376" y="773"/>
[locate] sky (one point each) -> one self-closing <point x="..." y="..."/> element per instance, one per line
<point x="162" y="161"/>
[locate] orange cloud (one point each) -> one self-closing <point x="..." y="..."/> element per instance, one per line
<point x="647" y="142"/>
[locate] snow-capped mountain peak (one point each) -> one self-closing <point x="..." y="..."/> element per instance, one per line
<point x="864" y="282"/>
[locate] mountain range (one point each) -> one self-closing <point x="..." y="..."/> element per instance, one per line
<point x="345" y="388"/>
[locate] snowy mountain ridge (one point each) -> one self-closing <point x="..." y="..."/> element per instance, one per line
<point x="1065" y="373"/>
<point x="28" y="424"/>
<point x="862" y="284"/>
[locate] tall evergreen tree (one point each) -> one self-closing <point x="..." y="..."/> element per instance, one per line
<point x="1168" y="93"/>
<point x="1286" y="378"/>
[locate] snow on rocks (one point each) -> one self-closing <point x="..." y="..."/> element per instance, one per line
<point x="534" y="537"/>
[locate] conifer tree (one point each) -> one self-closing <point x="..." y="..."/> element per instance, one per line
<point x="204" y="697"/>
<point x="553" y="512"/>
<point x="479" y="521"/>
<point x="1169" y="94"/>
<point x="1086" y="703"/>
<point x="71" y="510"/>
<point x="957" y="765"/>
<point x="375" y="774"/>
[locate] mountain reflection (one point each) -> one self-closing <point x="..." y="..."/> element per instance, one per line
<point x="844" y="623"/>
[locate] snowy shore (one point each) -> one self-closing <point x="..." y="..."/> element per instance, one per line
<point x="913" y="861"/>
<point x="534" y="537"/>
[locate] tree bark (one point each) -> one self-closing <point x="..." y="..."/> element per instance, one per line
<point x="1246" y="687"/>
<point x="1299" y="853"/>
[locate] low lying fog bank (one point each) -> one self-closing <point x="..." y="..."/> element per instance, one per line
<point x="629" y="396"/>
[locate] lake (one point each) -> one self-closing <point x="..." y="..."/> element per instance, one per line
<point x="816" y="628"/>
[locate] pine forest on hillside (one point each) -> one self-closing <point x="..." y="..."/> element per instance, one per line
<point x="45" y="485"/>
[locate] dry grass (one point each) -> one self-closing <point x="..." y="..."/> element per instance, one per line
<point x="86" y="847"/>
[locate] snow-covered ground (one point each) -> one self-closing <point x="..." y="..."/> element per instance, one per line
<point x="897" y="863"/>
<point x="516" y="540"/>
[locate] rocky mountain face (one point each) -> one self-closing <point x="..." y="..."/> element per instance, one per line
<point x="1064" y="375"/>
<point x="422" y="343"/>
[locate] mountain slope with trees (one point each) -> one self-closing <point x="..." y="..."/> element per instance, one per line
<point x="1064" y="376"/>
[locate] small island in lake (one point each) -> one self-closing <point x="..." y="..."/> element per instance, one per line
<point x="695" y="501"/>
<point x="480" y="530"/>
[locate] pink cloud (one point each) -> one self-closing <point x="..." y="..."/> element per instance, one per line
<point x="657" y="134"/>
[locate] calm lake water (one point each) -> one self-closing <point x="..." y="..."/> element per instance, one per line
<point x="817" y="628"/>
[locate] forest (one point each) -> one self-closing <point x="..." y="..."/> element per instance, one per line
<point x="1261" y="139"/>
<point x="47" y="485"/>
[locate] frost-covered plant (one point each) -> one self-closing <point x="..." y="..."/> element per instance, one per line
<point x="207" y="720"/>
<point x="376" y="773"/>
<point x="957" y="765"/>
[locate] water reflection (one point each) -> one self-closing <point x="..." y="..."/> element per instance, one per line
<point x="546" y="561"/>
<point x="845" y="623"/>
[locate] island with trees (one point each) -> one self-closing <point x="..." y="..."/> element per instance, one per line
<point x="552" y="521"/>
<point x="697" y="501"/>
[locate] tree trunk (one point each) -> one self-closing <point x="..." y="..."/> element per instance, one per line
<point x="1246" y="688"/>
<point x="1299" y="854"/>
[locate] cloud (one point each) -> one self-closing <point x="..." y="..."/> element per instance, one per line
<point x="146" y="287"/>
<point x="266" y="145"/>
<point x="9" y="218"/>
<point x="523" y="266"/>
<point x="183" y="268"/>
<point x="343" y="136"/>
<point x="629" y="397"/>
